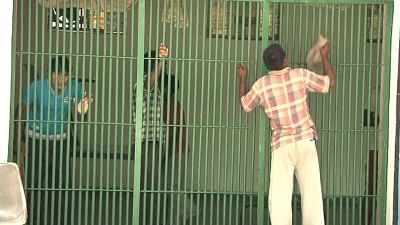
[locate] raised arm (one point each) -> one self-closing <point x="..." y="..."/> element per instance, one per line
<point x="327" y="65"/>
<point x="83" y="107"/>
<point x="162" y="53"/>
<point x="242" y="71"/>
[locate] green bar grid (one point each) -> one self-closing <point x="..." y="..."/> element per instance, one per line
<point x="210" y="128"/>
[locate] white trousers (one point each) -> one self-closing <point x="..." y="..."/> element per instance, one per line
<point x="300" y="159"/>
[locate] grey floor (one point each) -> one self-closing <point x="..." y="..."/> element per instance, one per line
<point x="114" y="207"/>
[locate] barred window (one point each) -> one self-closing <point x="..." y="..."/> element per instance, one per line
<point x="242" y="20"/>
<point x="79" y="19"/>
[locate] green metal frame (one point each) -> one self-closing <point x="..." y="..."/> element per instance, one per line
<point x="198" y="59"/>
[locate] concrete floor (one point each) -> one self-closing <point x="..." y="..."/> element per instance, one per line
<point x="112" y="207"/>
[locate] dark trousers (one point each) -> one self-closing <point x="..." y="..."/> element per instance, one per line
<point x="151" y="183"/>
<point x="46" y="181"/>
<point x="161" y="183"/>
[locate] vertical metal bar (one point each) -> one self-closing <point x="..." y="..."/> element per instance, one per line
<point x="14" y="118"/>
<point x="387" y="17"/>
<point x="356" y="111"/>
<point x="114" y="53"/>
<point x="130" y="141"/>
<point x="49" y="120"/>
<point x="124" y="121"/>
<point x="365" y="131"/>
<point x="260" y="25"/>
<point x="382" y="135"/>
<point x="201" y="133"/>
<point x="229" y="8"/>
<point x="139" y="105"/>
<point x="146" y="146"/>
<point x="236" y="53"/>
<point x="350" y="131"/>
<point x="370" y="67"/>
<point x="197" y="53"/>
<point x="218" y="188"/>
<point x="349" y="113"/>
<point x="190" y="113"/>
<point x="184" y="139"/>
<point x="206" y="112"/>
<point x="104" y="138"/>
<point x="161" y="209"/>
<point x="75" y="117"/>
<point x="213" y="63"/>
<point x="81" y="55"/>
<point x="89" y="126"/>
<point x="81" y="217"/>
<point x="97" y="124"/>
<point x="262" y="129"/>
<point x="109" y="119"/>
<point x="186" y="108"/>
<point x="29" y="158"/>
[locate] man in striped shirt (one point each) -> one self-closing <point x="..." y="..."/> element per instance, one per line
<point x="152" y="135"/>
<point x="283" y="95"/>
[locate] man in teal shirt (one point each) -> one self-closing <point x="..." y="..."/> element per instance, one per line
<point x="47" y="106"/>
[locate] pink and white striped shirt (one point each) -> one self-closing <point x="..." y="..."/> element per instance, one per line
<point x="283" y="94"/>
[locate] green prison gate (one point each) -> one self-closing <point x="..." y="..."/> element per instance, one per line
<point x="222" y="177"/>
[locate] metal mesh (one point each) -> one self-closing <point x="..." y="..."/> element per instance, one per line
<point x="212" y="167"/>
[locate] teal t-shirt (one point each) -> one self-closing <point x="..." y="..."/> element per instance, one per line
<point x="48" y="112"/>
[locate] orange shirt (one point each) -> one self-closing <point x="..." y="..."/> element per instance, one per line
<point x="283" y="95"/>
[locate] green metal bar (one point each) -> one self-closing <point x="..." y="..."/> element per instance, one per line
<point x="181" y="121"/>
<point x="224" y="4"/>
<point x="109" y="118"/>
<point x="82" y="130"/>
<point x="125" y="95"/>
<point x="236" y="53"/>
<point x="116" y="98"/>
<point x="228" y="6"/>
<point x="75" y="124"/>
<point x="189" y="112"/>
<point x="88" y="130"/>
<point x="213" y="58"/>
<point x="350" y="104"/>
<point x="199" y="174"/>
<point x="96" y="122"/>
<point x="368" y="120"/>
<point x="161" y="209"/>
<point x="14" y="51"/>
<point x="145" y="167"/>
<point x="379" y="134"/>
<point x="196" y="55"/>
<point x="262" y="142"/>
<point x="139" y="96"/>
<point x="130" y="141"/>
<point x="219" y="195"/>
<point x="103" y="135"/>
<point x="387" y="54"/>
<point x="358" y="136"/>
<point x="362" y="144"/>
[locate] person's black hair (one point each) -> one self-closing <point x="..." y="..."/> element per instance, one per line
<point x="149" y="61"/>
<point x="172" y="80"/>
<point x="274" y="57"/>
<point x="60" y="64"/>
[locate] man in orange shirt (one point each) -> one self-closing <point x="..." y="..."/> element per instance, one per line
<point x="283" y="95"/>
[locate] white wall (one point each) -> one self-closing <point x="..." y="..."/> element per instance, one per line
<point x="392" y="113"/>
<point x="6" y="10"/>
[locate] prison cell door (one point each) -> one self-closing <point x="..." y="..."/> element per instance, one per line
<point x="210" y="164"/>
